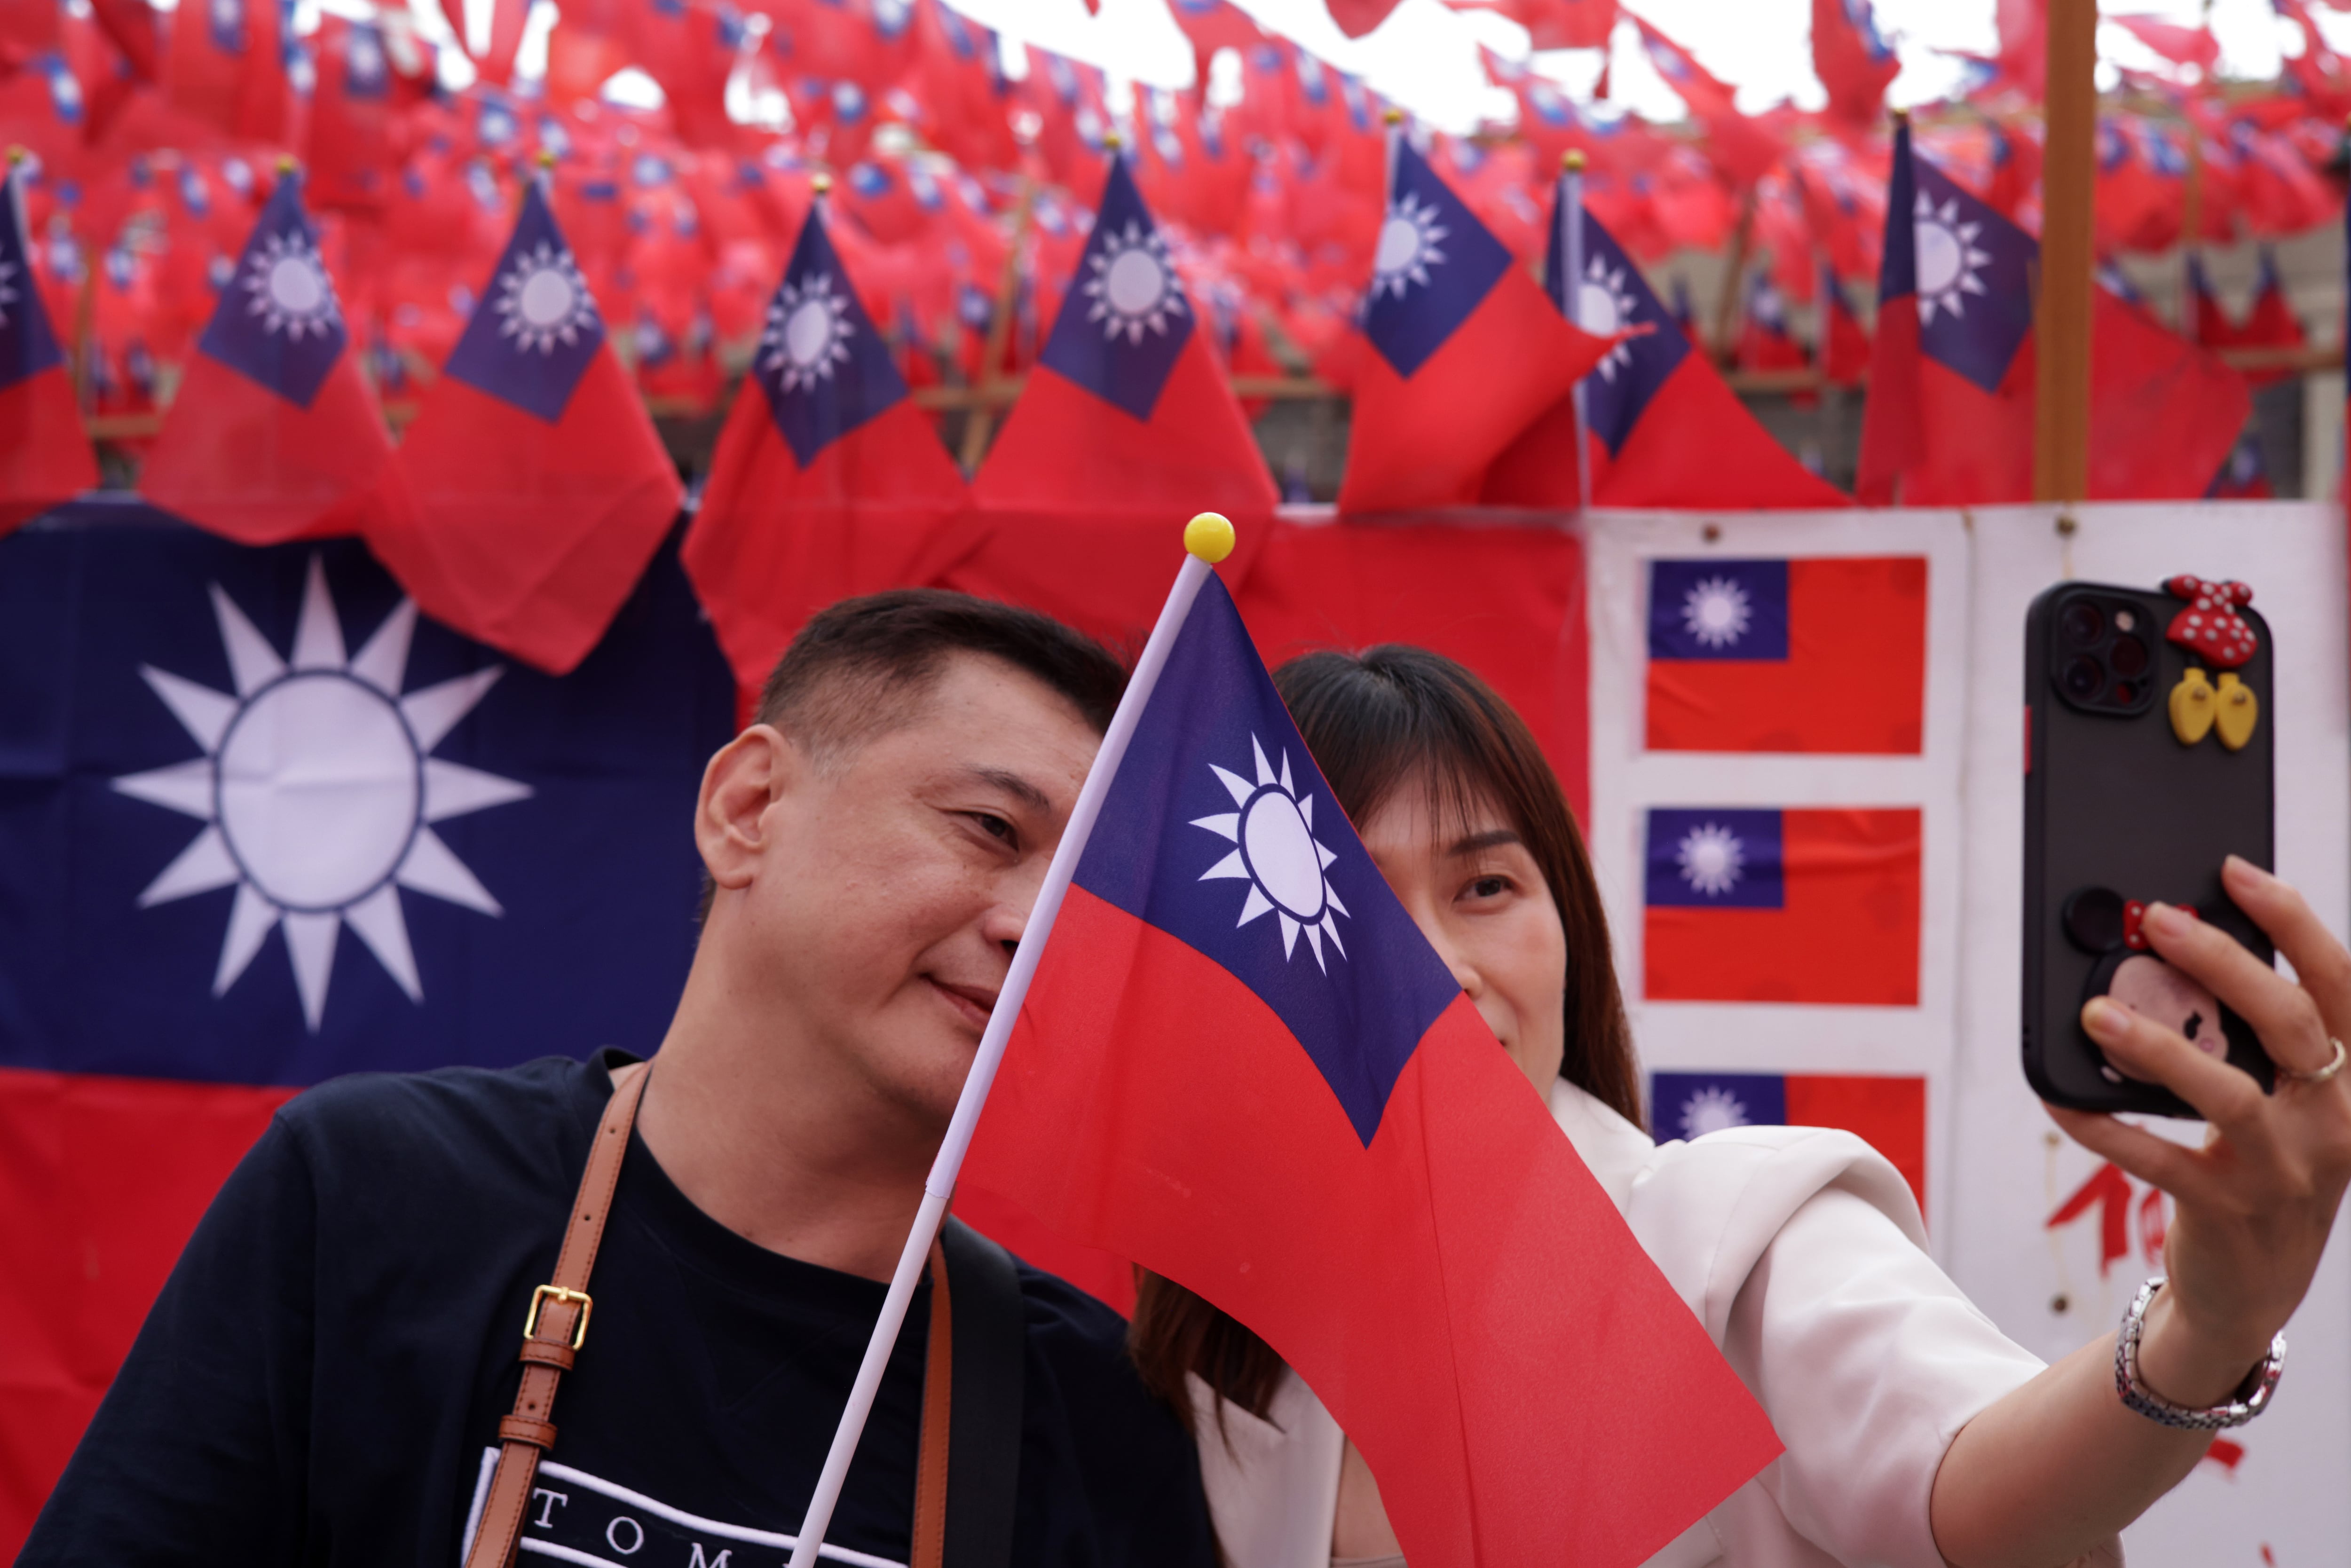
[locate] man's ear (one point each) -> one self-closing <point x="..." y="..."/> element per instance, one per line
<point x="748" y="774"/>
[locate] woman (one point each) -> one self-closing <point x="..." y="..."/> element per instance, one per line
<point x="1916" y="1433"/>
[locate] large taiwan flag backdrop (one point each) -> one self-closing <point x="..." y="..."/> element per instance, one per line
<point x="44" y="458"/>
<point x="1507" y="601"/>
<point x="1241" y="1066"/>
<point x="1817" y="905"/>
<point x="1126" y="427"/>
<point x="1467" y="352"/>
<point x="828" y="481"/>
<point x="1825" y="654"/>
<point x="273" y="435"/>
<point x="1888" y="1112"/>
<point x="1663" y="428"/>
<point x="532" y="489"/>
<point x="191" y="926"/>
<point x="1957" y="424"/>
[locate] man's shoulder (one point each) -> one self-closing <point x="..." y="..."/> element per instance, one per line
<point x="473" y="1124"/>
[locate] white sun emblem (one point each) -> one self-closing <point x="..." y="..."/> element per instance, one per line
<point x="289" y="287"/>
<point x="1712" y="859"/>
<point x="1712" y="1109"/>
<point x="1133" y="284"/>
<point x="1277" y="855"/>
<point x="808" y="333"/>
<point x="363" y="59"/>
<point x="1716" y="611"/>
<point x="1408" y="249"/>
<point x="1947" y="259"/>
<point x="1604" y="307"/>
<point x="544" y="300"/>
<point x="317" y="787"/>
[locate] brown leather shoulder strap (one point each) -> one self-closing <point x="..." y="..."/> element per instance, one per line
<point x="931" y="1455"/>
<point x="553" y="1332"/>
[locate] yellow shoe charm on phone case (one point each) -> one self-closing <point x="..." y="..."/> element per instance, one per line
<point x="2193" y="704"/>
<point x="2241" y="710"/>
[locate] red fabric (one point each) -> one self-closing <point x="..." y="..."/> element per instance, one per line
<point x="690" y="53"/>
<point x="1892" y="420"/>
<point x="1854" y="679"/>
<point x="1849" y="346"/>
<point x="1213" y="25"/>
<point x="1357" y="18"/>
<point x="235" y="457"/>
<point x="1080" y="507"/>
<point x="1847" y="935"/>
<point x="351" y="160"/>
<point x="1887" y="1114"/>
<point x="133" y="29"/>
<point x="1151" y="1104"/>
<point x="1842" y="59"/>
<point x="2180" y="44"/>
<point x="1696" y="446"/>
<point x="1105" y="1276"/>
<point x="774" y="542"/>
<point x="522" y="534"/>
<point x="101" y="1179"/>
<point x="1507" y="601"/>
<point x="1427" y="441"/>
<point x="45" y="457"/>
<point x="242" y="93"/>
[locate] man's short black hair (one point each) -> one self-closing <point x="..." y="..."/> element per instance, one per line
<point x="862" y="666"/>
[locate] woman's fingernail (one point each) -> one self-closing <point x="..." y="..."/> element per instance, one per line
<point x="2164" y="920"/>
<point x="2246" y="868"/>
<point x="2102" y="1017"/>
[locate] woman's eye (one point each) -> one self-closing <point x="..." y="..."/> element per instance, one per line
<point x="1490" y="887"/>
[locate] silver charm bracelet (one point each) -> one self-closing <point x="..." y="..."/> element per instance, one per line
<point x="2252" y="1394"/>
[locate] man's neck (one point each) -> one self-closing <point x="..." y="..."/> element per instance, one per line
<point x="775" y="1142"/>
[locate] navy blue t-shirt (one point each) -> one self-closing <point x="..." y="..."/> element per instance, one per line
<point x="321" y="1379"/>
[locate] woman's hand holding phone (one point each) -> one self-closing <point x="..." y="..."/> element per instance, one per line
<point x="2255" y="1204"/>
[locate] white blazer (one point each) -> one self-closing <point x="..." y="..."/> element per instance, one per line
<point x="1801" y="1251"/>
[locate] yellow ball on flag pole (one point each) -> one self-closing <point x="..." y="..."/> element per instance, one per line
<point x="1209" y="535"/>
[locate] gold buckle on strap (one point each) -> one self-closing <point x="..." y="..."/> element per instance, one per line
<point x="558" y="1292"/>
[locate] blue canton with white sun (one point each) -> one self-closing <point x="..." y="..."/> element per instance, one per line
<point x="278" y="322"/>
<point x="1126" y="321"/>
<point x="1723" y="858"/>
<point x="538" y="329"/>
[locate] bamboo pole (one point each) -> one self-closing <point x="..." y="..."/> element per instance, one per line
<point x="2061" y="448"/>
<point x="982" y="418"/>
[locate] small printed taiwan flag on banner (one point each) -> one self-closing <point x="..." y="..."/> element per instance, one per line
<point x="1888" y="1113"/>
<point x="1819" y="654"/>
<point x="1816" y="905"/>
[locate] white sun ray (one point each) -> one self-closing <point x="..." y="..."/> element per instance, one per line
<point x="316" y="787"/>
<point x="1276" y="852"/>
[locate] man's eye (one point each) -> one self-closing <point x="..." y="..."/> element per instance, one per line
<point x="994" y="826"/>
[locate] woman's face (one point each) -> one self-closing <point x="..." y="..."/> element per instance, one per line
<point x="1478" y="895"/>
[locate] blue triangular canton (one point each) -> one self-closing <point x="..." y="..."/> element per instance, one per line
<point x="824" y="367"/>
<point x="278" y="322"/>
<point x="1974" y="279"/>
<point x="536" y="330"/>
<point x="1435" y="264"/>
<point x="27" y="345"/>
<point x="1612" y="297"/>
<point x="1125" y="319"/>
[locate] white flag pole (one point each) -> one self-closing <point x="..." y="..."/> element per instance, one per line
<point x="1208" y="538"/>
<point x="1569" y="218"/>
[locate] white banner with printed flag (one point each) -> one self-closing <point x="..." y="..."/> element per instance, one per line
<point x="1807" y="822"/>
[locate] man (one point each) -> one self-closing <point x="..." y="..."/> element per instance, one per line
<point x="324" y="1375"/>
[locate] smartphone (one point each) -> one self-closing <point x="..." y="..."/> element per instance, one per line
<point x="2122" y="809"/>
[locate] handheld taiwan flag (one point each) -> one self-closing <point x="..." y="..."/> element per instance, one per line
<point x="1126" y="419"/>
<point x="1663" y="427"/>
<point x="1467" y="352"/>
<point x="274" y="434"/>
<point x="1887" y="1112"/>
<point x="532" y="489"/>
<point x="1242" y="1066"/>
<point x="44" y="458"/>
<point x="1825" y="653"/>
<point x="828" y="480"/>
<point x="1951" y="413"/>
<point x="1816" y="906"/>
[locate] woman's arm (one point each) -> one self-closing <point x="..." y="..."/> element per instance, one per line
<point x="2051" y="1471"/>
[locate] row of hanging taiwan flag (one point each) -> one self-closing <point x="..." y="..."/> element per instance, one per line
<point x="531" y="488"/>
<point x="147" y="176"/>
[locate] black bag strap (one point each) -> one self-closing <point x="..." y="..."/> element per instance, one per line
<point x="990" y="1334"/>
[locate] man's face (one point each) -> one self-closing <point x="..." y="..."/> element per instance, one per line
<point x="887" y="890"/>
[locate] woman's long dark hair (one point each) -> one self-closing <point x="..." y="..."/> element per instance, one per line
<point x="1396" y="716"/>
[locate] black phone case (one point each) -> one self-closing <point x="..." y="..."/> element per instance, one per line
<point x="2115" y="801"/>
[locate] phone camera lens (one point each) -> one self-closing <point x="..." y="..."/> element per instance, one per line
<point x="2128" y="656"/>
<point x="2081" y="623"/>
<point x="2125" y="692"/>
<point x="2082" y="677"/>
